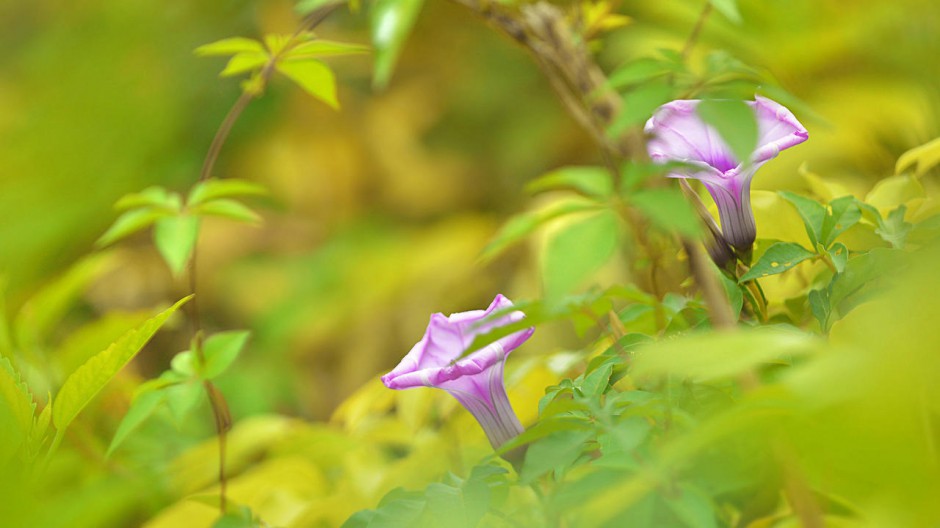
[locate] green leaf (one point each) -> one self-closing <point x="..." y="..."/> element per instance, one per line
<point x="84" y="384"/>
<point x="576" y="251"/>
<point x="639" y="104"/>
<point x="185" y="364"/>
<point x="639" y="71"/>
<point x="156" y="197"/>
<point x="557" y="451"/>
<point x="182" y="398"/>
<point x="735" y="295"/>
<point x="391" y="23"/>
<point x="593" y="182"/>
<point x="314" y="77"/>
<point x="227" y="188"/>
<point x="715" y="356"/>
<point x="820" y="306"/>
<point x="221" y="350"/>
<point x="141" y="409"/>
<point x="693" y="507"/>
<point x="230" y="46"/>
<point x="40" y="428"/>
<point x="812" y="212"/>
<point x="839" y="255"/>
<point x="323" y="48"/>
<point x="130" y="223"/>
<point x="522" y="225"/>
<point x="464" y="506"/>
<point x="175" y="238"/>
<point x="227" y="209"/>
<point x="245" y="62"/>
<point x="16" y="410"/>
<point x="894" y="229"/>
<point x="922" y="158"/>
<point x="668" y="210"/>
<point x="778" y="258"/>
<point x="841" y="214"/>
<point x="728" y="8"/>
<point x="735" y="122"/>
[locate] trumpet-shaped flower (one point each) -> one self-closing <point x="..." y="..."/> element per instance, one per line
<point x="476" y="380"/>
<point x="679" y="134"/>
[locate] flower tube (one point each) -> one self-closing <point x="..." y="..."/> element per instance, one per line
<point x="679" y="134"/>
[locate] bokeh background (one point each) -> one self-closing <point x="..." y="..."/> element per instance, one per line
<point x="378" y="212"/>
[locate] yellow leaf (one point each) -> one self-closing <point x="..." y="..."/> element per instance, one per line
<point x="314" y="77"/>
<point x="922" y="158"/>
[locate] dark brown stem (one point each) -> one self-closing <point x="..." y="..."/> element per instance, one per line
<point x="715" y="299"/>
<point x="696" y="30"/>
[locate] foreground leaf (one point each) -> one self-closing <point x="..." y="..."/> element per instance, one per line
<point x="778" y="258"/>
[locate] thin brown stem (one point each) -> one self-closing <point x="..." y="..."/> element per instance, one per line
<point x="715" y="299"/>
<point x="696" y="30"/>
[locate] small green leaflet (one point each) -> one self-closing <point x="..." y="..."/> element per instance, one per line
<point x="391" y="23"/>
<point x="141" y="408"/>
<point x="522" y="225"/>
<point x="593" y="182"/>
<point x="735" y="122"/>
<point x="315" y="77"/>
<point x="84" y="384"/>
<point x="778" y="258"/>
<point x="812" y="212"/>
<point x="841" y="214"/>
<point x="728" y="8"/>
<point x="668" y="210"/>
<point x="639" y="104"/>
<point x="131" y="222"/>
<point x="175" y="238"/>
<point x="230" y="46"/>
<point x="227" y="188"/>
<point x="557" y="451"/>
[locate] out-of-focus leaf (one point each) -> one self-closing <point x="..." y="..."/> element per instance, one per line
<point x="83" y="384"/>
<point x="668" y="210"/>
<point x="728" y="8"/>
<point x="694" y="507"/>
<point x="522" y="225"/>
<point x="842" y="214"/>
<point x="227" y="188"/>
<point x="185" y="364"/>
<point x="175" y="238"/>
<point x="221" y="350"/>
<point x="157" y="197"/>
<point x="812" y="212"/>
<point x="891" y="192"/>
<point x="40" y="430"/>
<point x="553" y="452"/>
<point x="735" y="295"/>
<point x="735" y="122"/>
<point x="778" y="258"/>
<point x="576" y="251"/>
<point x="130" y="223"/>
<point x="16" y="410"/>
<point x="839" y="255"/>
<point x="894" y="229"/>
<point x="227" y="209"/>
<point x="714" y="356"/>
<point x="245" y="62"/>
<point x="315" y="77"/>
<point x="639" y="104"/>
<point x="391" y="23"/>
<point x="141" y="409"/>
<point x="638" y="71"/>
<point x="398" y="509"/>
<point x="922" y="158"/>
<point x="182" y="398"/>
<point x="594" y="182"/>
<point x="819" y="305"/>
<point x="230" y="46"/>
<point x="323" y="48"/>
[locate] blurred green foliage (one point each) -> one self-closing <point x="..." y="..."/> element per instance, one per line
<point x="391" y="209"/>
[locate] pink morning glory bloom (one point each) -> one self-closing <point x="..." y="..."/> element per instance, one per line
<point x="679" y="134"/>
<point x="476" y="380"/>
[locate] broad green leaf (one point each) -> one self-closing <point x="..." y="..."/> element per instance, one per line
<point x="314" y="77"/>
<point x="221" y="350"/>
<point x="464" y="506"/>
<point x="839" y="255"/>
<point x="175" y="238"/>
<point x="141" y="409"/>
<point x="922" y="158"/>
<point x="227" y="188"/>
<point x="156" y="197"/>
<point x="667" y="209"/>
<point x="84" y="384"/>
<point x="40" y="315"/>
<point x="638" y="71"/>
<point x="812" y="212"/>
<point x="594" y="182"/>
<point x="595" y="383"/>
<point x="694" y="507"/>
<point x="778" y="258"/>
<point x="227" y="209"/>
<point x="391" y="23"/>
<point x="714" y="356"/>
<point x="554" y="452"/>
<point x="130" y="223"/>
<point x="94" y="336"/>
<point x="735" y="295"/>
<point x="639" y="105"/>
<point x="245" y="62"/>
<point x="728" y="8"/>
<point x="182" y="398"/>
<point x="323" y="48"/>
<point x="735" y="122"/>
<point x="230" y="46"/>
<point x="576" y="251"/>
<point x="819" y="305"/>
<point x="841" y="214"/>
<point x="522" y="225"/>
<point x="16" y="410"/>
<point x="894" y="229"/>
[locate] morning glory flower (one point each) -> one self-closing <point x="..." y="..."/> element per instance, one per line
<point x="679" y="134"/>
<point x="476" y="380"/>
